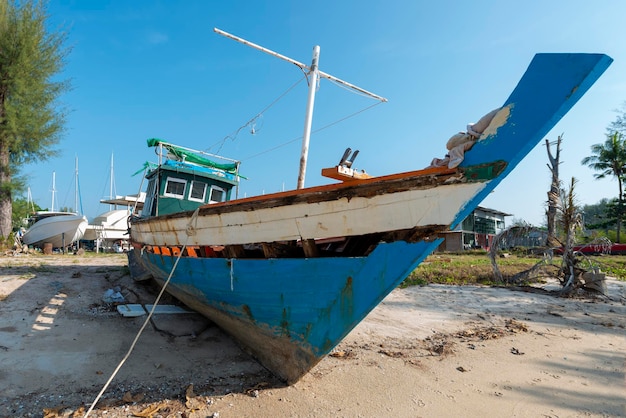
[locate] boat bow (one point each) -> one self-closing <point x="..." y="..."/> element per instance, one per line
<point x="288" y="275"/>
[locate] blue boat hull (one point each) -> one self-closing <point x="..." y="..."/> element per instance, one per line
<point x="300" y="308"/>
<point x="290" y="312"/>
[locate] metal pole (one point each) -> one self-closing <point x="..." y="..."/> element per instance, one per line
<point x="76" y="188"/>
<point x="111" y="184"/>
<point x="313" y="81"/>
<point x="53" y="189"/>
<point x="315" y="75"/>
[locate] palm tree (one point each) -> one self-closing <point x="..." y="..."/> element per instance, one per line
<point x="609" y="159"/>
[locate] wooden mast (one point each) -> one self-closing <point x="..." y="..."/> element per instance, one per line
<point x="314" y="75"/>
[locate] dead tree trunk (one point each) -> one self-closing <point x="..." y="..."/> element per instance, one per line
<point x="571" y="220"/>
<point x="554" y="193"/>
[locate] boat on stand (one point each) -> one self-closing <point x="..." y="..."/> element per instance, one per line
<point x="109" y="230"/>
<point x="58" y="229"/>
<point x="288" y="275"/>
<point x="55" y="229"/>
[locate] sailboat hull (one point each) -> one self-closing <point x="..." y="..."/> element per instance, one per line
<point x="109" y="226"/>
<point x="59" y="230"/>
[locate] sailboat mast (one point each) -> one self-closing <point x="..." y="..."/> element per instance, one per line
<point x="54" y="190"/>
<point x="30" y="203"/>
<point x="315" y="74"/>
<point x="111" y="183"/>
<point x="76" y="188"/>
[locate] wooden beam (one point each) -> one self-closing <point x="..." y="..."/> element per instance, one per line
<point x="234" y="251"/>
<point x="310" y="248"/>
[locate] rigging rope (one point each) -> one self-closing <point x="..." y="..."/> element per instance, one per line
<point x="315" y="131"/>
<point x="190" y="231"/>
<point x="233" y="135"/>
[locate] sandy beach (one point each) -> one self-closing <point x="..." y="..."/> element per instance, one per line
<point x="428" y="351"/>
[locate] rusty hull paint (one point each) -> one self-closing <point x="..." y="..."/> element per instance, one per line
<point x="291" y="318"/>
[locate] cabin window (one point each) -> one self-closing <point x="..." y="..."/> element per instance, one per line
<point x="198" y="191"/>
<point x="175" y="188"/>
<point x="149" y="207"/>
<point x="217" y="195"/>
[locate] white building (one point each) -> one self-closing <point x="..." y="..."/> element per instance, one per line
<point x="476" y="231"/>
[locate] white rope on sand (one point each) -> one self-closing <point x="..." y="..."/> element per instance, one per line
<point x="190" y="231"/>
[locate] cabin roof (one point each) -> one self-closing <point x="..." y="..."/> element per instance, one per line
<point x="197" y="170"/>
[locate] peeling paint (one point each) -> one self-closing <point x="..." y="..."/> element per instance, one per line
<point x="499" y="120"/>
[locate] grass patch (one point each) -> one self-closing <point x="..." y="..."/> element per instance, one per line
<point x="27" y="276"/>
<point x="475" y="268"/>
<point x="612" y="265"/>
<point x="93" y="254"/>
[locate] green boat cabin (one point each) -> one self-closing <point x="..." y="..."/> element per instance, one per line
<point x="176" y="186"/>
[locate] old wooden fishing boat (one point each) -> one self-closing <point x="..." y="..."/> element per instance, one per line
<point x="289" y="274"/>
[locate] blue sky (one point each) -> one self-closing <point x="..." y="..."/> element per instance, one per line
<point x="144" y="69"/>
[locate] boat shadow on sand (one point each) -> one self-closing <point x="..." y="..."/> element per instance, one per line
<point x="61" y="342"/>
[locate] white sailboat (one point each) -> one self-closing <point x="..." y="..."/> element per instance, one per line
<point x="108" y="226"/>
<point x="111" y="227"/>
<point x="59" y="229"/>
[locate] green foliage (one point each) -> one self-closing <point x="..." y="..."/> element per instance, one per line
<point x="615" y="210"/>
<point x="609" y="159"/>
<point x="6" y="243"/>
<point x="22" y="208"/>
<point x="31" y="119"/>
<point x="595" y="216"/>
<point x="612" y="235"/>
<point x="600" y="220"/>
<point x="614" y="266"/>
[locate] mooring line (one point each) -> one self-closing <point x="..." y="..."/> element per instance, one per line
<point x="191" y="230"/>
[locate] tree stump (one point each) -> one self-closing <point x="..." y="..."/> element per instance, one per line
<point x="595" y="280"/>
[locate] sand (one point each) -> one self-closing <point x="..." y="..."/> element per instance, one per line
<point x="428" y="351"/>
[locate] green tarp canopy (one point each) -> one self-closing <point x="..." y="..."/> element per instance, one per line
<point x="192" y="157"/>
